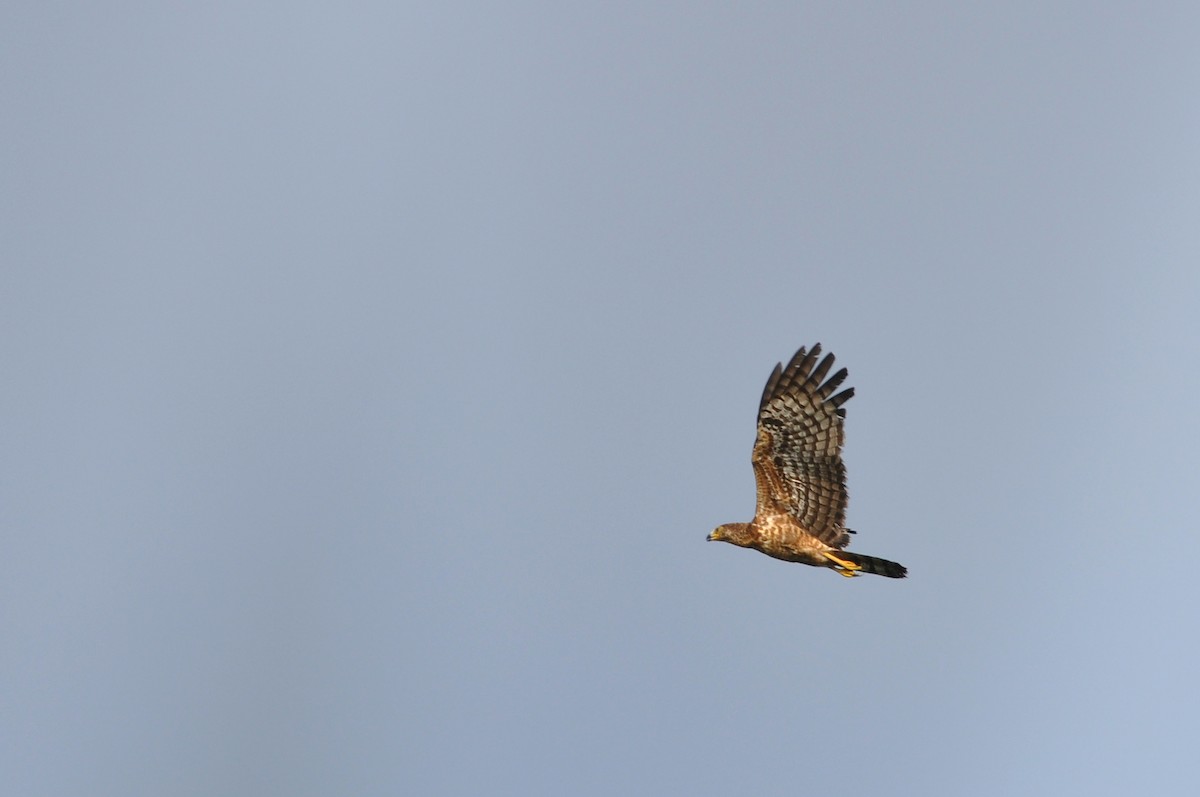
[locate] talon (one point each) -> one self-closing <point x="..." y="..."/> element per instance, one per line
<point x="843" y="567"/>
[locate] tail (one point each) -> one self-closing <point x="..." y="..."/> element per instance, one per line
<point x="873" y="564"/>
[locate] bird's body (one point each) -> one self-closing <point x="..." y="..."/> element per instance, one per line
<point x="801" y="509"/>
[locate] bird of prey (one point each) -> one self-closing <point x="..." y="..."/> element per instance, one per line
<point x="801" y="511"/>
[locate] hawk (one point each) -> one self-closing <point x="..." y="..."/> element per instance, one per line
<point x="801" y="510"/>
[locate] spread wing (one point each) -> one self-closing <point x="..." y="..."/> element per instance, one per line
<point x="797" y="455"/>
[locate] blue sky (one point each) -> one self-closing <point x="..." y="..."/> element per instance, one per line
<point x="376" y="371"/>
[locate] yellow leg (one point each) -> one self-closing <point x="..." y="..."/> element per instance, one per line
<point x="843" y="566"/>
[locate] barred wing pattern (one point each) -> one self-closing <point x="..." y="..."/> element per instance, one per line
<point x="797" y="458"/>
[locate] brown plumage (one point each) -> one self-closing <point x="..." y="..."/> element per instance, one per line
<point x="801" y="511"/>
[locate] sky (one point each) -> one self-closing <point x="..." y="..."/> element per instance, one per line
<point x="375" y="372"/>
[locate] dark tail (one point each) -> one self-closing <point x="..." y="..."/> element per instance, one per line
<point x="873" y="564"/>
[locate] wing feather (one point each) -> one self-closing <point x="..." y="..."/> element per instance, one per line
<point x="797" y="454"/>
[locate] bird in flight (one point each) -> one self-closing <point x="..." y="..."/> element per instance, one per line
<point x="801" y="511"/>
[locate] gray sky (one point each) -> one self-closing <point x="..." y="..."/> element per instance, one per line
<point x="376" y="371"/>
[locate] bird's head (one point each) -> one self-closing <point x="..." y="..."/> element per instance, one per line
<point x="735" y="533"/>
